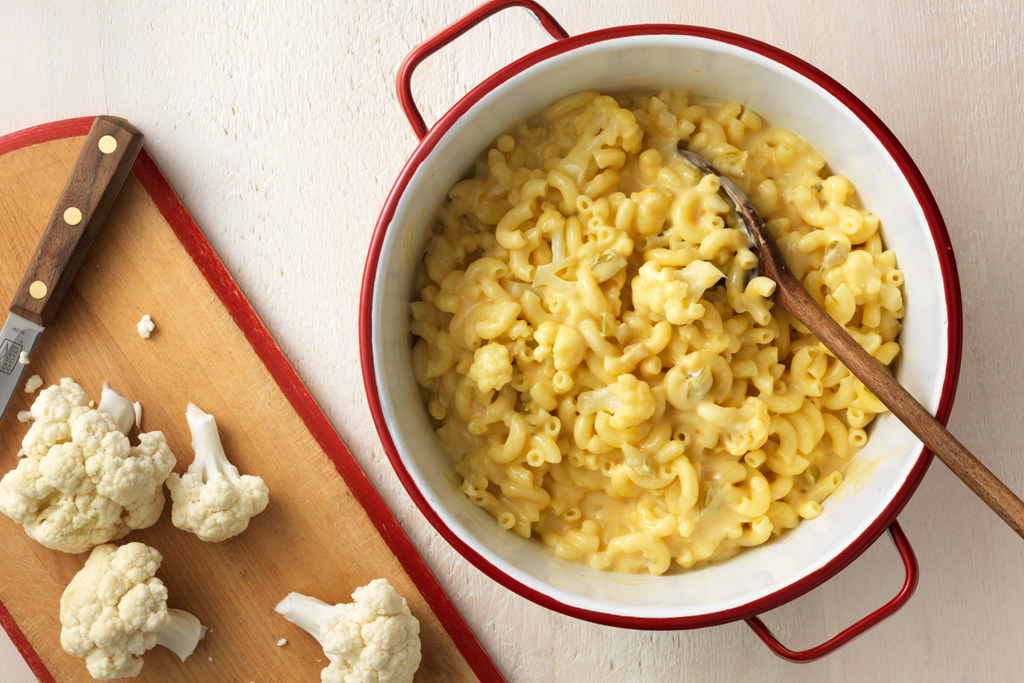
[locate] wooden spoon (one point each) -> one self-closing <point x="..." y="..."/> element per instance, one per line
<point x="791" y="295"/>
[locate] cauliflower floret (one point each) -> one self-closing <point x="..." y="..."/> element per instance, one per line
<point x="374" y="639"/>
<point x="53" y="411"/>
<point x="860" y="275"/>
<point x="81" y="482"/>
<point x="630" y="402"/>
<point x="562" y="343"/>
<point x="673" y="294"/>
<point x="492" y="367"/>
<point x="115" y="609"/>
<point x="211" y="499"/>
<point x="744" y="428"/>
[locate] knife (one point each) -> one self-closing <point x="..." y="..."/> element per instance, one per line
<point x="100" y="170"/>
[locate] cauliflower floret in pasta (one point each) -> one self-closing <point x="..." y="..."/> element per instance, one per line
<point x="673" y="294"/>
<point x="630" y="402"/>
<point x="563" y="344"/>
<point x="744" y="428"/>
<point x="606" y="374"/>
<point x="491" y="368"/>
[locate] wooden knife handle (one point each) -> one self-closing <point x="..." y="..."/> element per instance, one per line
<point x="100" y="170"/>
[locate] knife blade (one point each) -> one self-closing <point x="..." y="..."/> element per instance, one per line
<point x="17" y="337"/>
<point x="100" y="170"/>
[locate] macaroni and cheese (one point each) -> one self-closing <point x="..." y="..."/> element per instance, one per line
<point x="606" y="369"/>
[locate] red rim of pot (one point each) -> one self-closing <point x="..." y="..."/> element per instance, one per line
<point x="947" y="265"/>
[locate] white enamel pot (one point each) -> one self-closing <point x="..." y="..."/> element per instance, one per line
<point x="790" y="94"/>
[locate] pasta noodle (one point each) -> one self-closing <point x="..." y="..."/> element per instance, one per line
<point x="606" y="369"/>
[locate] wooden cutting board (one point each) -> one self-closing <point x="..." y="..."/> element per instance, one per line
<point x="326" y="530"/>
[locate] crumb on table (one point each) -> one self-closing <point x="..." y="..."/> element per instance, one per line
<point x="146" y="326"/>
<point x="33" y="383"/>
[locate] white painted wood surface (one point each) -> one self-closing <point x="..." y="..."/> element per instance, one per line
<point x="279" y="126"/>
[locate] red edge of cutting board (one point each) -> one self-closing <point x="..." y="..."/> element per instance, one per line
<point x="242" y="312"/>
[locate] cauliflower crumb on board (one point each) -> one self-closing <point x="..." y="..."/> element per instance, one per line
<point x="23" y="358"/>
<point x="33" y="383"/>
<point x="282" y="642"/>
<point x="146" y="326"/>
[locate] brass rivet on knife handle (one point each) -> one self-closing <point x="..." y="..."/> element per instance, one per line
<point x="99" y="172"/>
<point x="108" y="144"/>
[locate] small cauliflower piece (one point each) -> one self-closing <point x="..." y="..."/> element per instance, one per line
<point x="671" y="294"/>
<point x="146" y="326"/>
<point x="744" y="428"/>
<point x="492" y="367"/>
<point x="630" y="402"/>
<point x="33" y="383"/>
<point x="562" y="343"/>
<point x="23" y="358"/>
<point x="80" y="482"/>
<point x="374" y="639"/>
<point x="115" y="610"/>
<point x="211" y="499"/>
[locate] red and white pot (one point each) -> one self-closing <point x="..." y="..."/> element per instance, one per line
<point x="790" y="94"/>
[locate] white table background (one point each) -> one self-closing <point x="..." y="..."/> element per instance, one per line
<point x="279" y="126"/>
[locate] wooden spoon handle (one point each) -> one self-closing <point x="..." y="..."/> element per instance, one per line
<point x="792" y="296"/>
<point x="100" y="170"/>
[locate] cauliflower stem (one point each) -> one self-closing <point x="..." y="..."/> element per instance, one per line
<point x="118" y="407"/>
<point x="210" y="456"/>
<point x="306" y="612"/>
<point x="182" y="633"/>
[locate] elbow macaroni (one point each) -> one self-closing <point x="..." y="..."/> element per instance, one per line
<point x="606" y="374"/>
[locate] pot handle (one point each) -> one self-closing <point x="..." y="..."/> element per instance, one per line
<point x="871" y="620"/>
<point x="449" y="34"/>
